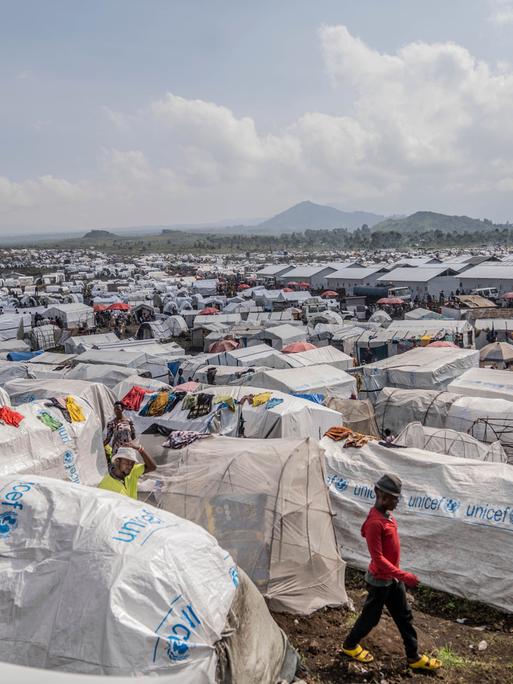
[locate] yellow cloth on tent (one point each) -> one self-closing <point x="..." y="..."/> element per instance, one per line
<point x="225" y="399"/>
<point x="74" y="410"/>
<point x="261" y="398"/>
<point x="158" y="405"/>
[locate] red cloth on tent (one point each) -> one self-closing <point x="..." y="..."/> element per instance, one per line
<point x="134" y="398"/>
<point x="10" y="417"/>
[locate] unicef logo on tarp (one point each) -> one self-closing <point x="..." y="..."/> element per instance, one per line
<point x="177" y="649"/>
<point x="8" y="522"/>
<point x="341" y="485"/>
<point x="234" y="574"/>
<point x="68" y="457"/>
<point x="451" y="505"/>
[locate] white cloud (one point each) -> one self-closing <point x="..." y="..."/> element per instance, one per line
<point x="430" y="126"/>
<point x="501" y="12"/>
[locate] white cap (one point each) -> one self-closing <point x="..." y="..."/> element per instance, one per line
<point x="126" y="452"/>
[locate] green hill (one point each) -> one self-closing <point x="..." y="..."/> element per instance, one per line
<point x="424" y="221"/>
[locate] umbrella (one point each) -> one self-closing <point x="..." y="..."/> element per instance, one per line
<point x="209" y="311"/>
<point x="390" y="300"/>
<point x="298" y="347"/>
<point x="190" y="386"/>
<point x="287" y="289"/>
<point x="243" y="286"/>
<point x="222" y="346"/>
<point x="443" y="343"/>
<point x="100" y="307"/>
<point x="329" y="294"/>
<point x="118" y="306"/>
<point x="497" y="352"/>
<point x="304" y="286"/>
<point x="508" y="295"/>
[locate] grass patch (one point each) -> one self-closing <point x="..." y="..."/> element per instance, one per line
<point x="452" y="660"/>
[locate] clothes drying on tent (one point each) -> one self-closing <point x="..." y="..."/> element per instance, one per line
<point x="49" y="420"/>
<point x="182" y="438"/>
<point x="198" y="404"/>
<point x="76" y="413"/>
<point x="60" y="404"/>
<point x="10" y="417"/>
<point x="134" y="398"/>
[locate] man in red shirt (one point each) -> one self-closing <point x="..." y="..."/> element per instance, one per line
<point x="386" y="581"/>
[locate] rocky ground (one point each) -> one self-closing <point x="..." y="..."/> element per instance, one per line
<point x="474" y="642"/>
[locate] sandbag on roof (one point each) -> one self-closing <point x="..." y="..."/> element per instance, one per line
<point x="159" y="586"/>
<point x="454" y="516"/>
<point x="72" y="452"/>
<point x="99" y="397"/>
<point x="269" y="508"/>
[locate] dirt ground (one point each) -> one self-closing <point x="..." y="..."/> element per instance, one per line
<point x="474" y="642"/>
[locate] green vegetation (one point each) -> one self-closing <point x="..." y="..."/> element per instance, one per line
<point x="451" y="659"/>
<point x="430" y="221"/>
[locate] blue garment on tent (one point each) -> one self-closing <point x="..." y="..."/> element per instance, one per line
<point x="22" y="356"/>
<point x="173" y="367"/>
<point x="273" y="402"/>
<point x="315" y="397"/>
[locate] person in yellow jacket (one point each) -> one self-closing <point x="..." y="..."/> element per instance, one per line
<point x="125" y="470"/>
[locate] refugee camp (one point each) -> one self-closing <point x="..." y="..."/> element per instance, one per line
<point x="256" y="337"/>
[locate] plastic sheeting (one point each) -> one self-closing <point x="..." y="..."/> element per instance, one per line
<point x="312" y="379"/>
<point x="420" y="368"/>
<point x="99" y="397"/>
<point x="455" y="516"/>
<point x="484" y="382"/>
<point x="488" y="421"/>
<point x="450" y="442"/>
<point x="269" y="508"/>
<point x="74" y="452"/>
<point x="356" y="415"/>
<point x="293" y="418"/>
<point x="97" y="583"/>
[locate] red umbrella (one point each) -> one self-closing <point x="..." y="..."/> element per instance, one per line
<point x="390" y="300"/>
<point x="442" y="343"/>
<point x="100" y="307"/>
<point x="287" y="289"/>
<point x="222" y="346"/>
<point x="304" y="286"/>
<point x="298" y="347"/>
<point x="508" y="295"/>
<point x="209" y="311"/>
<point x="118" y="306"/>
<point x="243" y="286"/>
<point x="329" y="294"/>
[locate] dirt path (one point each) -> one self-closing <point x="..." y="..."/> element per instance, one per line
<point x="480" y="651"/>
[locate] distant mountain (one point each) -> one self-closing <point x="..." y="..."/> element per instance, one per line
<point x="98" y="234"/>
<point x="311" y="216"/>
<point x="424" y="221"/>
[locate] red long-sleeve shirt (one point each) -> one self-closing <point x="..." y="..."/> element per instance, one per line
<point x="384" y="546"/>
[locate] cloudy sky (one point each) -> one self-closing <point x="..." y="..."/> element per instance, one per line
<point x="140" y="112"/>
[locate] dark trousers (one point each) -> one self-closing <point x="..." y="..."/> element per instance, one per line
<point x="394" y="598"/>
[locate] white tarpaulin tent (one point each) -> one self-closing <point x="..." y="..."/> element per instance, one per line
<point x="308" y="380"/>
<point x="99" y="397"/>
<point x="160" y="588"/>
<point x="421" y="368"/>
<point x="81" y="343"/>
<point x="72" y="452"/>
<point x="484" y="382"/>
<point x="488" y="421"/>
<point x="258" y="355"/>
<point x="455" y="516"/>
<point x="450" y="442"/>
<point x="292" y="418"/>
<point x="269" y="508"/>
<point x="72" y="315"/>
<point x="329" y="356"/>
